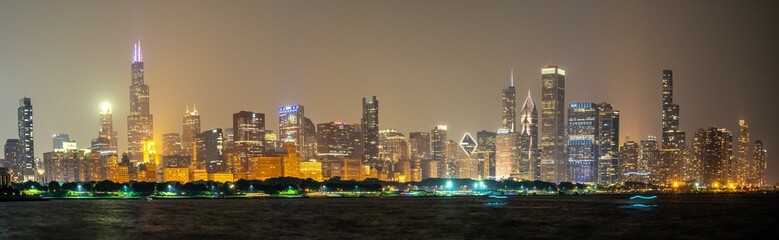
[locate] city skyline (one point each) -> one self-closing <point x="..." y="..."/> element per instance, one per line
<point x="77" y="114"/>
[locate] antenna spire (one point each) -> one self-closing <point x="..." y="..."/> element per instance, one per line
<point x="137" y="53"/>
<point x="512" y="77"/>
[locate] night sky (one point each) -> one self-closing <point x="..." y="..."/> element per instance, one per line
<point x="428" y="62"/>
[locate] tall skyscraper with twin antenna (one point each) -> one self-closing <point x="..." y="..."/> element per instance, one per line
<point x="509" y="100"/>
<point x="140" y="128"/>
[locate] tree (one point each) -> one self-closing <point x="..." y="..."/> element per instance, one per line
<point x="31" y="185"/>
<point x="310" y="185"/>
<point x="54" y="187"/>
<point x="107" y="186"/>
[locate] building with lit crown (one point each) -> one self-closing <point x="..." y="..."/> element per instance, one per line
<point x="190" y="131"/>
<point x="140" y="129"/>
<point x="554" y="159"/>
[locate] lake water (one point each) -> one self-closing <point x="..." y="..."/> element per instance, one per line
<point x="719" y="216"/>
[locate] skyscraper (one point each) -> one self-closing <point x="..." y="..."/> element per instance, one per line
<point x="628" y="161"/>
<point x="60" y="139"/>
<point x="717" y="152"/>
<point x="648" y="154"/>
<point x="26" y="140"/>
<point x="140" y="129"/>
<point x="107" y="128"/>
<point x="309" y="143"/>
<point x="528" y="139"/>
<point x="12" y="149"/>
<point x="509" y="100"/>
<point x="582" y="144"/>
<point x="419" y="144"/>
<point x="486" y="152"/>
<point x="210" y="151"/>
<point x="673" y="137"/>
<point x="393" y="147"/>
<point x="248" y="133"/>
<point x="438" y="149"/>
<point x="171" y="144"/>
<point x="190" y="130"/>
<point x="608" y="140"/>
<point x="759" y="165"/>
<point x="506" y="154"/>
<point x="741" y="165"/>
<point x="337" y="139"/>
<point x="291" y="126"/>
<point x="370" y="131"/>
<point x="554" y="162"/>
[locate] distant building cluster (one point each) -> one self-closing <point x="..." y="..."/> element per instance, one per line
<point x="575" y="142"/>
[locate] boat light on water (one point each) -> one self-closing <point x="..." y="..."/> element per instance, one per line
<point x="643" y="197"/>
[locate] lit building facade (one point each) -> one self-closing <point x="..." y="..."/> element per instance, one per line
<point x="248" y="137"/>
<point x="106" y="142"/>
<point x="310" y="144"/>
<point x="58" y="140"/>
<point x="393" y="147"/>
<point x="26" y="141"/>
<point x="337" y="139"/>
<point x="759" y="164"/>
<point x="190" y="131"/>
<point x="509" y="102"/>
<point x="648" y="155"/>
<point x="628" y="161"/>
<point x="311" y="169"/>
<point x="171" y="144"/>
<point x="554" y="160"/>
<point x="717" y="150"/>
<point x="438" y="149"/>
<point x="582" y="144"/>
<point x="673" y="136"/>
<point x="419" y="147"/>
<point x="173" y="174"/>
<point x="140" y="129"/>
<point x="12" y="149"/>
<point x="486" y="153"/>
<point x="210" y="151"/>
<point x="370" y="132"/>
<point x="529" y="156"/>
<point x="291" y="126"/>
<point x="741" y="164"/>
<point x="608" y="140"/>
<point x="506" y="153"/>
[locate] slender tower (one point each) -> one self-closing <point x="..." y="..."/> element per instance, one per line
<point x="509" y="100"/>
<point x="140" y="129"/>
<point x="528" y="134"/>
<point x="370" y="132"/>
<point x="26" y="153"/>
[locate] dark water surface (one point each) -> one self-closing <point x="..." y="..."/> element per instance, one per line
<point x="720" y="216"/>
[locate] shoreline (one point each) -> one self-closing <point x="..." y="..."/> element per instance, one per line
<point x="243" y="197"/>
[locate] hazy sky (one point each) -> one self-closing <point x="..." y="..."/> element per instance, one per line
<point x="428" y="62"/>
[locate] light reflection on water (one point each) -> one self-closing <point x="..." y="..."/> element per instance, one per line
<point x="419" y="217"/>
